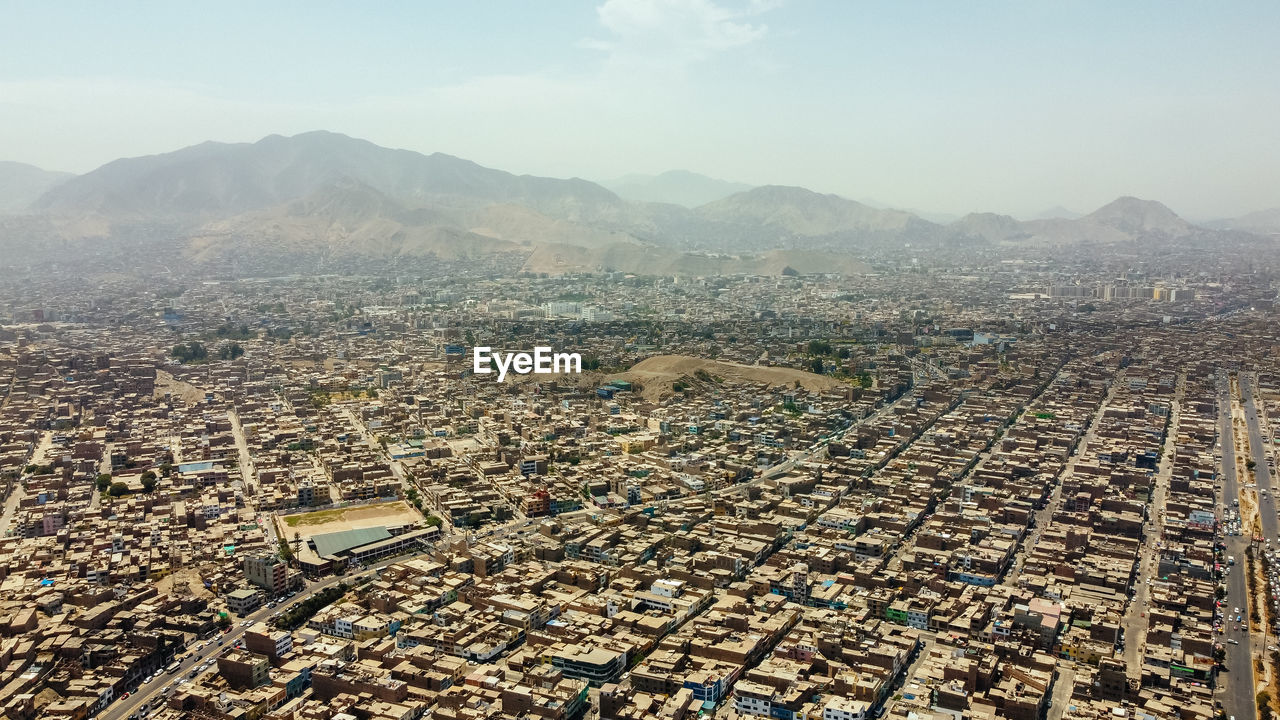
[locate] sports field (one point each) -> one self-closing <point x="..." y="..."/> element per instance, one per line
<point x="395" y="512"/>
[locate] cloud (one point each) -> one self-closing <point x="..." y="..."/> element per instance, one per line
<point x="669" y="33"/>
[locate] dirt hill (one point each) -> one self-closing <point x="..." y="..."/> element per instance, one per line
<point x="658" y="373"/>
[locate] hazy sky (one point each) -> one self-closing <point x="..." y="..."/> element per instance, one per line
<point x="947" y="106"/>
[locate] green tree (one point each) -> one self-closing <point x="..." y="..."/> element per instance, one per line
<point x="148" y="481"/>
<point x="117" y="489"/>
<point x="819" y="347"/>
<point x="816" y="366"/>
<point x="192" y="352"/>
<point x="104" y="482"/>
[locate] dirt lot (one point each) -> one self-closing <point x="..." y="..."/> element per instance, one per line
<point x="184" y="576"/>
<point x="396" y="512"/>
<point x="184" y="391"/>
<point x="657" y="374"/>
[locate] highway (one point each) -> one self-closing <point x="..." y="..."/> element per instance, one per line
<point x="1266" y="497"/>
<point x="1235" y="683"/>
<point x="1258" y="453"/>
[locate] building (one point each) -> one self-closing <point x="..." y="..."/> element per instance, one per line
<point x="594" y="664"/>
<point x="263" y="640"/>
<point x="268" y="572"/>
<point x="244" y="601"/>
<point x="244" y="669"/>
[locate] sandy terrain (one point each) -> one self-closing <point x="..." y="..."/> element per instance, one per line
<point x="657" y="374"/>
<point x="188" y="576"/>
<point x="184" y="391"/>
<point x="307" y="525"/>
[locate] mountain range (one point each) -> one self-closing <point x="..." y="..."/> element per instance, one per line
<point x="21" y="185"/>
<point x="325" y="195"/>
<point x="676" y="187"/>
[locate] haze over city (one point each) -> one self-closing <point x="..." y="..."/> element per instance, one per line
<point x="639" y="360"/>
<point x="942" y="107"/>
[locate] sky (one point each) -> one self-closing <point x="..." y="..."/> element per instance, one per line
<point x="946" y="107"/>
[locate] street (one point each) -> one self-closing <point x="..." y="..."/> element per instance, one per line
<point x="1135" y="622"/>
<point x="150" y="691"/>
<point x="1235" y="683"/>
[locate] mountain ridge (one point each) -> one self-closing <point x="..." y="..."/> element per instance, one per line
<point x="674" y="187"/>
<point x="22" y="184"/>
<point x="344" y="196"/>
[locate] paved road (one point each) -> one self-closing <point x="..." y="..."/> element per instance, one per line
<point x="38" y="455"/>
<point x="1064" y="680"/>
<point x="1235" y="684"/>
<point x="373" y="443"/>
<point x="814" y="452"/>
<point x="894" y="561"/>
<point x="152" y="691"/>
<point x="1258" y="453"/>
<point x="242" y="445"/>
<point x="1044" y="515"/>
<point x="1135" y="621"/>
<point x="1266" y="494"/>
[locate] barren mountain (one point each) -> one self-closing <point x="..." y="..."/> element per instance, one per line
<point x="332" y="199"/>
<point x="804" y="212"/>
<point x="1123" y="220"/>
<point x="676" y="187"/>
<point x="990" y="227"/>
<point x="1057" y="211"/>
<point x="1263" y="222"/>
<point x="219" y="180"/>
<point x="22" y="184"/>
<point x="1131" y="215"/>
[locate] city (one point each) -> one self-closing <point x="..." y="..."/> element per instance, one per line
<point x="894" y="495"/>
<point x="639" y="360"/>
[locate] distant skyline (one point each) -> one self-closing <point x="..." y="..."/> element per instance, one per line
<point x="941" y="106"/>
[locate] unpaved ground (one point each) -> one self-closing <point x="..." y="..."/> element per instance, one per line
<point x="183" y="576"/>
<point x="184" y="391"/>
<point x="326" y="521"/>
<point x="657" y="374"/>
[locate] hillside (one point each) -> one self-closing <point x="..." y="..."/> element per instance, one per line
<point x="1263" y="222"/>
<point x="219" y="180"/>
<point x="327" y="200"/>
<point x="22" y="184"/>
<point x="804" y="212"/>
<point x="675" y="187"/>
<point x="1131" y="215"/>
<point x="658" y="373"/>
<point x="1123" y="220"/>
